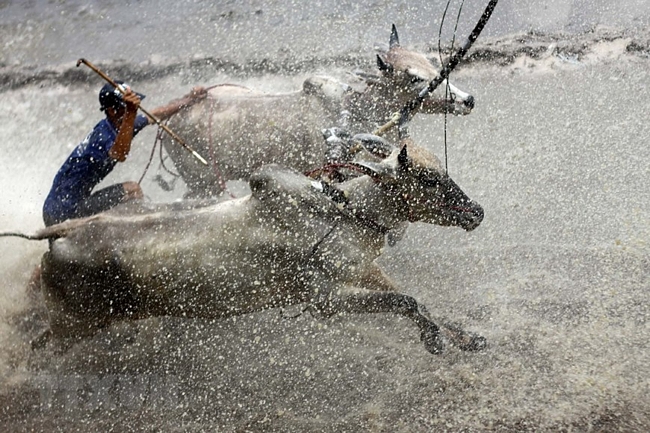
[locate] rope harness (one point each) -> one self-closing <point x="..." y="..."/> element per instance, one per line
<point x="213" y="159"/>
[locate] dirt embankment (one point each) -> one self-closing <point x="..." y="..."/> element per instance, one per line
<point x="509" y="51"/>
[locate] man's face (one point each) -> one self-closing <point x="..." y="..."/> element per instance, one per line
<point x="115" y="113"/>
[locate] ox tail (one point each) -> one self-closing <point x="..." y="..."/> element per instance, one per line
<point x="53" y="232"/>
<point x="34" y="237"/>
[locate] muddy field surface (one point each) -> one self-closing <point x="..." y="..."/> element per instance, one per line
<point x="556" y="278"/>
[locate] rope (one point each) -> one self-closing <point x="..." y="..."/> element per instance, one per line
<point x="153" y="150"/>
<point x="447" y="88"/>
<point x="442" y="22"/>
<point x="164" y="167"/>
<point x="213" y="158"/>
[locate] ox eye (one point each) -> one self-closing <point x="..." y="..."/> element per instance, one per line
<point x="429" y="182"/>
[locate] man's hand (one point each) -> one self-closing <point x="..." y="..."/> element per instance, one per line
<point x="122" y="145"/>
<point x="131" y="100"/>
<point x="198" y="93"/>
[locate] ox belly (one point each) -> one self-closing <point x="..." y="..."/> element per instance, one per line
<point x="218" y="261"/>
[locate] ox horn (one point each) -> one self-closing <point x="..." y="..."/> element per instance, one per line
<point x="383" y="65"/>
<point x="394" y="38"/>
<point x="373" y="170"/>
<point x="404" y="114"/>
<point x="403" y="158"/>
<point x="374" y="144"/>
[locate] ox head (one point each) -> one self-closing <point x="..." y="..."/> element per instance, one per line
<point x="407" y="72"/>
<point x="421" y="188"/>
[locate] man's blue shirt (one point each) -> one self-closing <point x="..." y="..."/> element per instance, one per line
<point x="86" y="167"/>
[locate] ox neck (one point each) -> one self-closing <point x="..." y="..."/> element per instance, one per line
<point x="372" y="204"/>
<point x="374" y="105"/>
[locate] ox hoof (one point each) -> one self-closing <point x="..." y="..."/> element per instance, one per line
<point x="474" y="343"/>
<point x="432" y="339"/>
<point x="466" y="341"/>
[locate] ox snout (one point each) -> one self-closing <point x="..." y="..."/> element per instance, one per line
<point x="469" y="102"/>
<point x="463" y="211"/>
<point x="459" y="105"/>
<point x="473" y="218"/>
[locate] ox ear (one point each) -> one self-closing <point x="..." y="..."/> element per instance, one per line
<point x="383" y="65"/>
<point x="394" y="38"/>
<point x="374" y="144"/>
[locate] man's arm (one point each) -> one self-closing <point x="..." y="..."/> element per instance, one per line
<point x="122" y="146"/>
<point x="174" y="106"/>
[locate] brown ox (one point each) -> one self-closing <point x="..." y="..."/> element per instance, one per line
<point x="292" y="241"/>
<point x="238" y="129"/>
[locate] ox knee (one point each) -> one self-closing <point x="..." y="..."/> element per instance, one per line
<point x="405" y="305"/>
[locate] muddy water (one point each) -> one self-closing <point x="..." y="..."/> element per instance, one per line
<point x="556" y="277"/>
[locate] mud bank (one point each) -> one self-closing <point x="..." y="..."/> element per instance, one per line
<point x="503" y="51"/>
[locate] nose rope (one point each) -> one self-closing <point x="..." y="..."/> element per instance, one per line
<point x="410" y="199"/>
<point x="157" y="141"/>
<point x="331" y="168"/>
<point x="215" y="166"/>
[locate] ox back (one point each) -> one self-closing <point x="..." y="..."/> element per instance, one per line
<point x="239" y="129"/>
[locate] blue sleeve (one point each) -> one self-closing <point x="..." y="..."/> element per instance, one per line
<point x="98" y="143"/>
<point x="140" y="122"/>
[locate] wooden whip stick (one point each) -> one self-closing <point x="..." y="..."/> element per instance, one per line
<point x="148" y="114"/>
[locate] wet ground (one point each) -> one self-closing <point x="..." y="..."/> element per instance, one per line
<point x="556" y="277"/>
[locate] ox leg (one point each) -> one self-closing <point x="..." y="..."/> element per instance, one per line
<point x="386" y="302"/>
<point x="467" y="341"/>
<point x="38" y="311"/>
<point x="431" y="334"/>
<point x="376" y="279"/>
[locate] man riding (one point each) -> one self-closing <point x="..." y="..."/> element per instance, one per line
<point x="107" y="144"/>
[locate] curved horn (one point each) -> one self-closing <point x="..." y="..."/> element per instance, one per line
<point x="383" y="65"/>
<point x="403" y="159"/>
<point x="394" y="38"/>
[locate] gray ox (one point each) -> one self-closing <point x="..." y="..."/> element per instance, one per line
<point x="238" y="129"/>
<point x="292" y="241"/>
